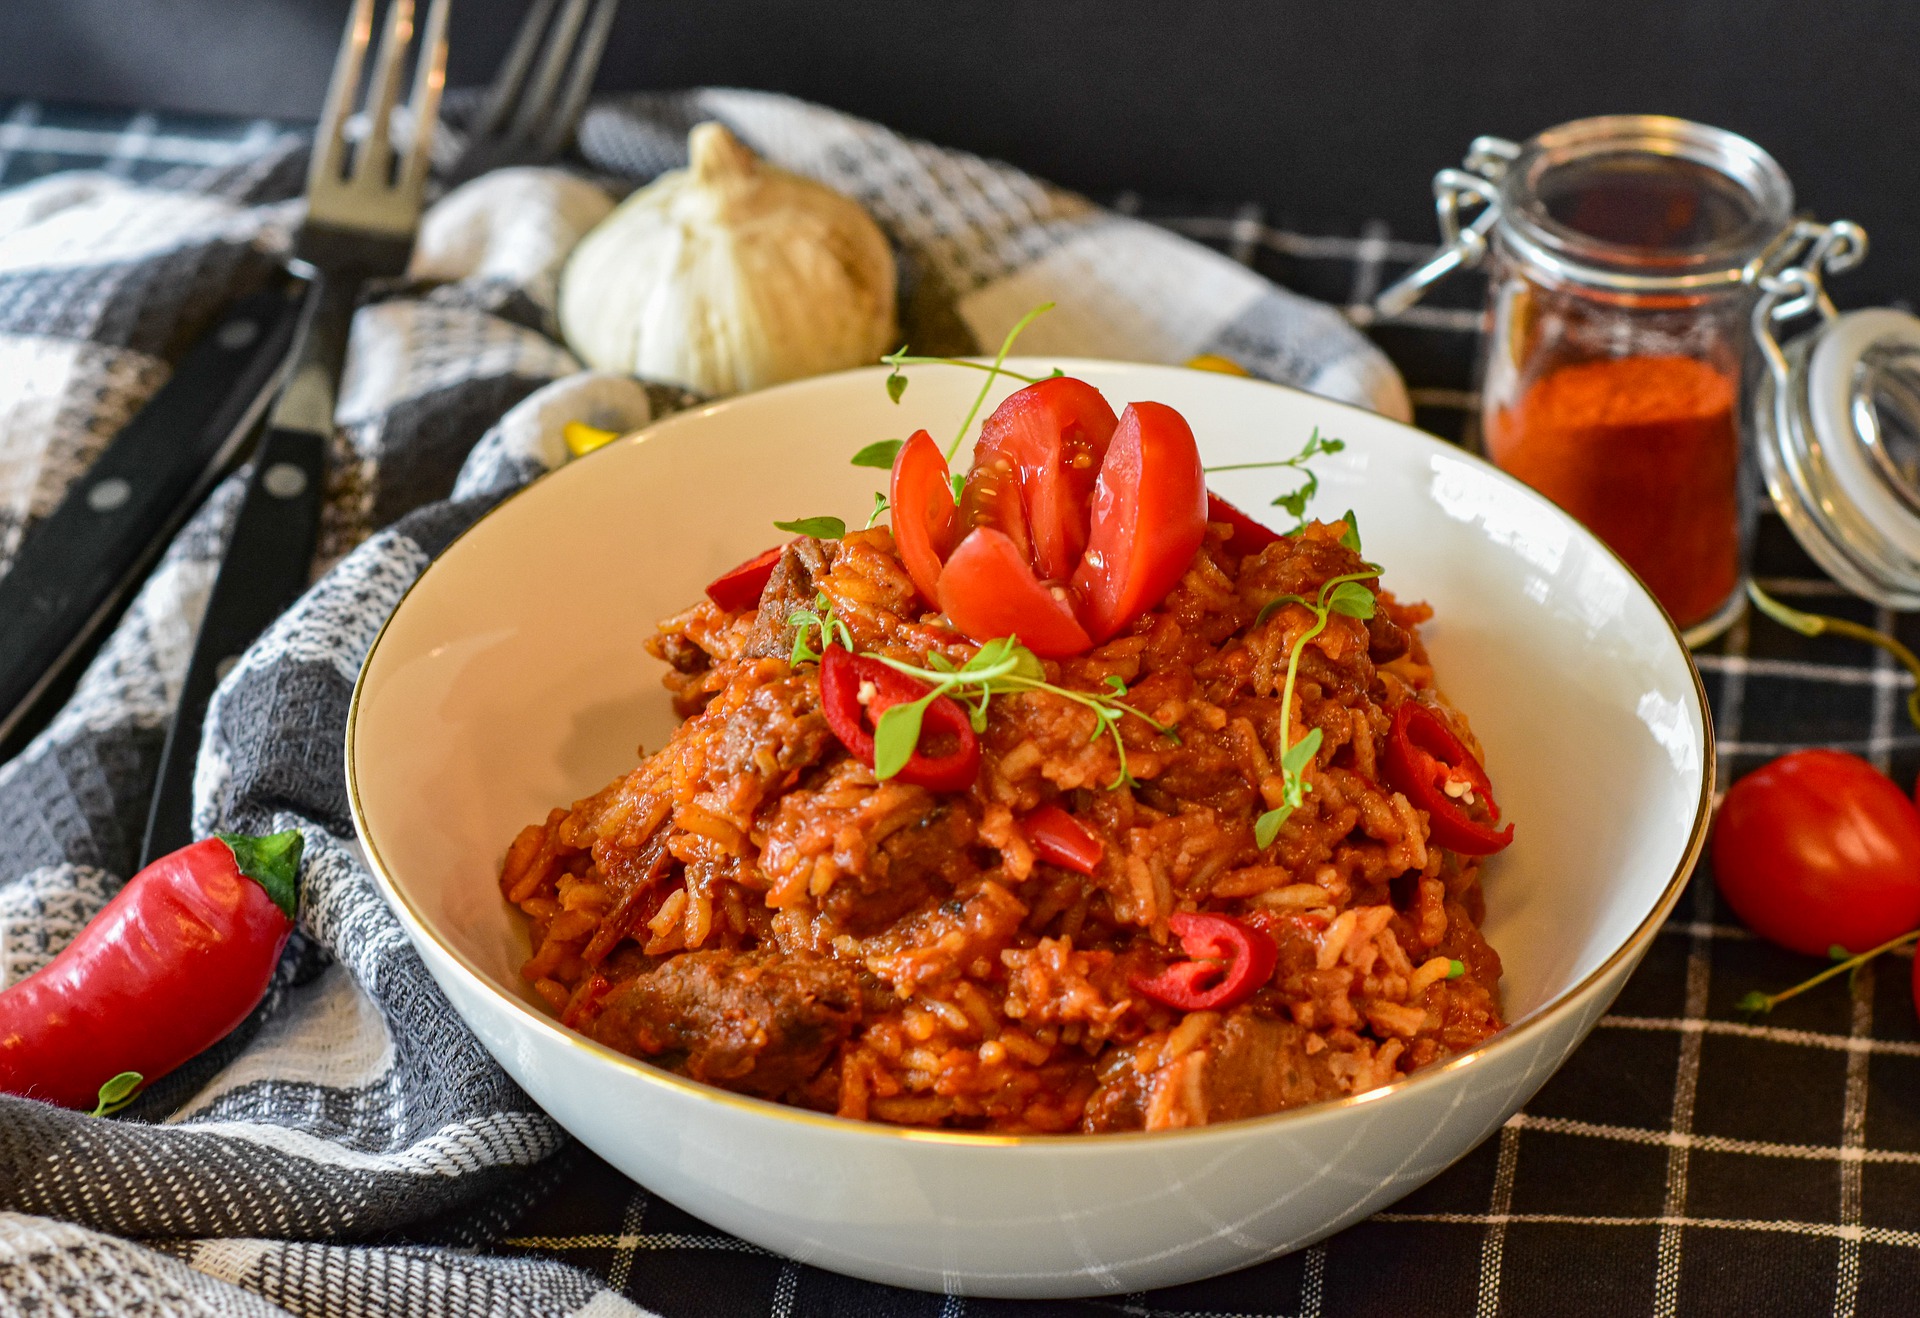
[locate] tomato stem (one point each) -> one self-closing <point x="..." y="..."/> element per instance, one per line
<point x="1817" y="624"/>
<point x="1758" y="1003"/>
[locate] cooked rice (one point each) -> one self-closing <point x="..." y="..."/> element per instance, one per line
<point x="750" y="908"/>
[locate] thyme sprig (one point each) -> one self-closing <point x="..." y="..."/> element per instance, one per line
<point x="1295" y="501"/>
<point x="1343" y="595"/>
<point x="1757" y="1003"/>
<point x="821" y="616"/>
<point x="1819" y="624"/>
<point x="897" y="381"/>
<point x="1002" y="666"/>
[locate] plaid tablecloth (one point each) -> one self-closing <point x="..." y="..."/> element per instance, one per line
<point x="1686" y="1161"/>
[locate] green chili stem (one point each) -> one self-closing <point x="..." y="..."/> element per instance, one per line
<point x="1818" y="624"/>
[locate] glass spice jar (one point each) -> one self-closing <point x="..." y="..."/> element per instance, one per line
<point x="1622" y="256"/>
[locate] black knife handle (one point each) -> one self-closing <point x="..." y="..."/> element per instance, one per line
<point x="268" y="558"/>
<point x="77" y="564"/>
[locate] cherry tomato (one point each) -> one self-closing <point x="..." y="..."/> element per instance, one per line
<point x="1818" y="848"/>
<point x="1149" y="517"/>
<point x="1034" y="471"/>
<point x="1249" y="536"/>
<point x="924" y="520"/>
<point x="740" y="587"/>
<point x="1060" y="839"/>
<point x="988" y="590"/>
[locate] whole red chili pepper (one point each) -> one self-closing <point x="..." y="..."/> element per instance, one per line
<point x="1060" y="839"/>
<point x="740" y="587"/>
<point x="1231" y="960"/>
<point x="844" y="675"/>
<point x="169" y="967"/>
<point x="1423" y="759"/>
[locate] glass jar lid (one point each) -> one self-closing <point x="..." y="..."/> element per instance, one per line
<point x="1642" y="203"/>
<point x="1837" y="425"/>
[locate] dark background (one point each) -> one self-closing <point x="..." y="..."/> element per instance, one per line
<point x="1326" y="114"/>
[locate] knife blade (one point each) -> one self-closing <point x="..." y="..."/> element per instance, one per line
<point x="78" y="565"/>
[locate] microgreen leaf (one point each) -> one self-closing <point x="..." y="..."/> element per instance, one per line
<point x="1755" y="1003"/>
<point x="1456" y="969"/>
<point x="821" y="528"/>
<point x="896" y="383"/>
<point x="959" y="482"/>
<point x="881" y="453"/>
<point x="1116" y="684"/>
<point x="939" y="662"/>
<point x="1351" y="539"/>
<point x="1352" y="600"/>
<point x="1267" y="827"/>
<point x="1295" y="503"/>
<point x="879" y="506"/>
<point x="1835" y="952"/>
<point x="896" y="735"/>
<point x="1300" y="754"/>
<point x="117" y="1093"/>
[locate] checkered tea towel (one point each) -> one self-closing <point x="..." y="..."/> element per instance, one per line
<point x="260" y="1177"/>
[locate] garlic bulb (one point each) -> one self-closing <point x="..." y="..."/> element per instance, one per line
<point x="730" y="275"/>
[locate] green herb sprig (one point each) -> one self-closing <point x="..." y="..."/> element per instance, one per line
<point x="1296" y="501"/>
<point x="1343" y="595"/>
<point x="1000" y="667"/>
<point x="820" y="616"/>
<point x="897" y="382"/>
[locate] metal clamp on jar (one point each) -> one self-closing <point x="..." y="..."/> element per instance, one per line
<point x="1634" y="260"/>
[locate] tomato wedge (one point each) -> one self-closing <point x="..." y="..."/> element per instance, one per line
<point x="1060" y="839"/>
<point x="1034" y="470"/>
<point x="1249" y="536"/>
<point x="988" y="591"/>
<point x="740" y="587"/>
<point x="1149" y="517"/>
<point x="845" y="676"/>
<point x="924" y="519"/>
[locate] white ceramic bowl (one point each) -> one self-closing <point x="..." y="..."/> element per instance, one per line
<point x="512" y="679"/>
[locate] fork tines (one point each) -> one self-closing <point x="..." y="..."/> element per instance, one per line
<point x="531" y="109"/>
<point x="372" y="193"/>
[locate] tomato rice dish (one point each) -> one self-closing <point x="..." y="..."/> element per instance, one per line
<point x="1157" y="819"/>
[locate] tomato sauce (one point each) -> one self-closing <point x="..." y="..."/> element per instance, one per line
<point x="1644" y="451"/>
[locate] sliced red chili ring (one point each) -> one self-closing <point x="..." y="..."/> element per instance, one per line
<point x="1231" y="960"/>
<point x="843" y="675"/>
<point x="740" y="587"/>
<point x="1060" y="839"/>
<point x="1423" y="758"/>
<point x="1249" y="536"/>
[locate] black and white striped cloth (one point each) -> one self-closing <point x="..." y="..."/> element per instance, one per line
<point x="1686" y="1161"/>
<point x="354" y="1104"/>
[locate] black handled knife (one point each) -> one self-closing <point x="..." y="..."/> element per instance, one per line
<point x="76" y="567"/>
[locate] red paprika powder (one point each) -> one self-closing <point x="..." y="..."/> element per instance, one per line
<point x="1644" y="451"/>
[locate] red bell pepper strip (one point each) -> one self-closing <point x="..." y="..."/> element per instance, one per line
<point x="1249" y="536"/>
<point x="843" y="678"/>
<point x="1231" y="961"/>
<point x="1060" y="839"/>
<point x="1423" y="759"/>
<point x="168" y="968"/>
<point x="740" y="587"/>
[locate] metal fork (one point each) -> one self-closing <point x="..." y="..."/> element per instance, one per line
<point x="529" y="114"/>
<point x="361" y="216"/>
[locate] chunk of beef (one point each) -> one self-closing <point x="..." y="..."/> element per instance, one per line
<point x="1254" y="1065"/>
<point x="1387" y="640"/>
<point x="790" y="587"/>
<point x="758" y="1022"/>
<point x="923" y="859"/>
